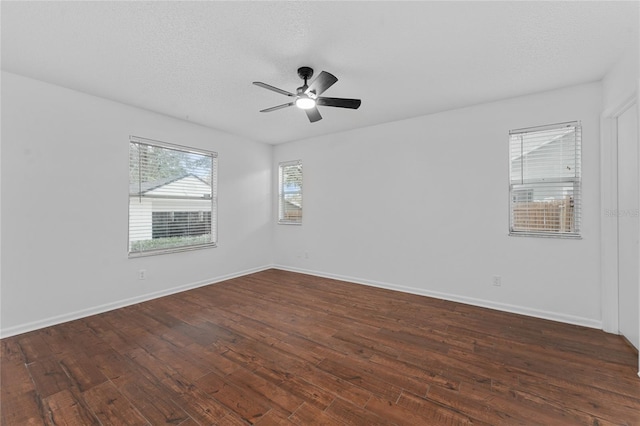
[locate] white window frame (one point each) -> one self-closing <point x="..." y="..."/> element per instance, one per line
<point x="140" y="195"/>
<point x="282" y="220"/>
<point x="522" y="189"/>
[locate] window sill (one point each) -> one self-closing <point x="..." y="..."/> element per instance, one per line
<point x="133" y="255"/>
<point x="546" y="235"/>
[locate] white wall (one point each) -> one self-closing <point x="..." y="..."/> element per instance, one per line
<point x="622" y="80"/>
<point x="65" y="202"/>
<point x="421" y="205"/>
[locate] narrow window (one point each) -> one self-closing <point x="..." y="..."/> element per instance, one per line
<point x="545" y="181"/>
<point x="290" y="193"/>
<point x="172" y="198"/>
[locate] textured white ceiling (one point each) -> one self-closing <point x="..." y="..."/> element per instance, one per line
<point x="197" y="60"/>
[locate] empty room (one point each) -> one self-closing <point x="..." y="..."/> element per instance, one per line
<point x="319" y="213"/>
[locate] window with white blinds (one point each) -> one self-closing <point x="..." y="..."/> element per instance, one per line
<point x="545" y="181"/>
<point x="172" y="198"/>
<point x="290" y="193"/>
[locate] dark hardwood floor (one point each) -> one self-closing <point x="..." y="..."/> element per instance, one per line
<point x="282" y="348"/>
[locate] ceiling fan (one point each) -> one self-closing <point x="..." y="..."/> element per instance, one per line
<point x="307" y="97"/>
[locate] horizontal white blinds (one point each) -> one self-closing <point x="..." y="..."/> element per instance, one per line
<point x="172" y="197"/>
<point x="290" y="192"/>
<point x="545" y="180"/>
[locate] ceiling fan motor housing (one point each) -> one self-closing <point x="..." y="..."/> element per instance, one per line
<point x="305" y="73"/>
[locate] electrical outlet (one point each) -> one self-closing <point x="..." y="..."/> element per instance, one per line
<point x="142" y="274"/>
<point x="497" y="280"/>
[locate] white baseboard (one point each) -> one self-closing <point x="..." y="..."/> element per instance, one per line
<point x="553" y="316"/>
<point x="83" y="313"/>
<point x="47" y="322"/>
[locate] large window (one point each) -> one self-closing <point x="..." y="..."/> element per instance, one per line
<point x="545" y="182"/>
<point x="172" y="197"/>
<point x="290" y="193"/>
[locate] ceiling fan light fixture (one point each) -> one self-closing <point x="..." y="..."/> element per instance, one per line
<point x="305" y="102"/>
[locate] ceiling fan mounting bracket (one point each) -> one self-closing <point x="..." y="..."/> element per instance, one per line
<point x="305" y="73"/>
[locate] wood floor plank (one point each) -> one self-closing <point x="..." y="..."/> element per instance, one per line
<point x="502" y="399"/>
<point x="22" y="409"/>
<point x="81" y="370"/>
<point x="276" y="395"/>
<point x="60" y="339"/>
<point x="116" y="367"/>
<point x="278" y="347"/>
<point x="424" y="375"/>
<point x="308" y="392"/>
<point x="33" y="346"/>
<point x="247" y="403"/>
<point x="17" y="375"/>
<point x="11" y="352"/>
<point x="111" y="407"/>
<point x="310" y="351"/>
<point x="493" y="408"/>
<point x="397" y="373"/>
<point x="346" y="371"/>
<point x="307" y="414"/>
<point x="189" y="367"/>
<point x="66" y="408"/>
<point x="350" y="414"/>
<point x="151" y="367"/>
<point x="214" y="359"/>
<point x="406" y="415"/>
<point x="190" y="422"/>
<point x="333" y="385"/>
<point x="153" y="402"/>
<point x="589" y="401"/>
<point x="201" y="407"/>
<point x="275" y="417"/>
<point x="441" y="414"/>
<point x="49" y="376"/>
